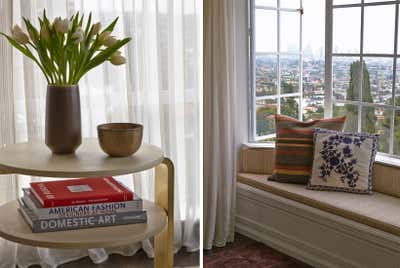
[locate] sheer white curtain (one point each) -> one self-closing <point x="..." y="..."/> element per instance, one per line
<point x="225" y="113"/>
<point x="159" y="87"/>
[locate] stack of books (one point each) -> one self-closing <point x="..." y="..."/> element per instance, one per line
<point x="79" y="203"/>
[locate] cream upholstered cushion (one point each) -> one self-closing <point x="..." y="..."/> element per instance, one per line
<point x="385" y="179"/>
<point x="378" y="210"/>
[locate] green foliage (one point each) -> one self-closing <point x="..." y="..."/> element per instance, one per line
<point x="385" y="135"/>
<point x="368" y="115"/>
<point x="265" y="125"/>
<point x="65" y="52"/>
<point x="289" y="106"/>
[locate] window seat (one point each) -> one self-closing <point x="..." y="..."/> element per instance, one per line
<point x="378" y="210"/>
<point x="321" y="228"/>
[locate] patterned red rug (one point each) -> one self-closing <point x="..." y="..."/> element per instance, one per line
<point x="250" y="255"/>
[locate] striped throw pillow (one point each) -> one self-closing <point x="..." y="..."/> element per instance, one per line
<point x="294" y="147"/>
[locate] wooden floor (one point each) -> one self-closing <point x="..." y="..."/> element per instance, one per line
<point x="182" y="259"/>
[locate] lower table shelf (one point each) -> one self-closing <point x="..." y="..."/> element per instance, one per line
<point x="14" y="228"/>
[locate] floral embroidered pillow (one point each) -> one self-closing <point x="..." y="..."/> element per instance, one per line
<point x="343" y="161"/>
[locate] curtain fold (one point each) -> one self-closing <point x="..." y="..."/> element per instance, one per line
<point x="159" y="87"/>
<point x="220" y="125"/>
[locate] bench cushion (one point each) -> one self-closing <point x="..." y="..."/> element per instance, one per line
<point x="260" y="160"/>
<point x="378" y="210"/>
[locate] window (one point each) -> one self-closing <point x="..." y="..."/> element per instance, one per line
<point x="364" y="68"/>
<point x="277" y="62"/>
<point x="360" y="46"/>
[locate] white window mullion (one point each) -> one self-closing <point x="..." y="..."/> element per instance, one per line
<point x="301" y="62"/>
<point x="278" y="90"/>
<point x="396" y="32"/>
<point x="328" y="105"/>
<point x="252" y="83"/>
<point x="360" y="92"/>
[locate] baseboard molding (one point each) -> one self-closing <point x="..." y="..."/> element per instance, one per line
<point x="310" y="235"/>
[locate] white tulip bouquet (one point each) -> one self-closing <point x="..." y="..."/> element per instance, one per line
<point x="67" y="48"/>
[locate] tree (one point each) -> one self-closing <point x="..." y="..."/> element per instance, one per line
<point x="384" y="139"/>
<point x="265" y="125"/>
<point x="289" y="105"/>
<point x="351" y="111"/>
<point x="368" y="115"/>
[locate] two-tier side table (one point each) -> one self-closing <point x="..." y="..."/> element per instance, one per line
<point x="35" y="159"/>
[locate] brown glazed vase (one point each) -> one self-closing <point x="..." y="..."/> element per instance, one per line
<point x="63" y="119"/>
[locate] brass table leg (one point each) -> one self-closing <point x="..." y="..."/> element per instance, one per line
<point x="164" y="197"/>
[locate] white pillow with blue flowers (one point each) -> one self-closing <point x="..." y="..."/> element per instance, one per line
<point x="343" y="161"/>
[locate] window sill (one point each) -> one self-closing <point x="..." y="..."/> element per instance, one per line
<point x="380" y="158"/>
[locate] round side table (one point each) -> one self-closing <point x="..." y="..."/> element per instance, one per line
<point x="35" y="159"/>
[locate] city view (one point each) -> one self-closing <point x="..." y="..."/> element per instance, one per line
<point x="377" y="88"/>
<point x="377" y="77"/>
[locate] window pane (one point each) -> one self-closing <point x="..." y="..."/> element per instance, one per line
<point x="378" y="79"/>
<point x="290" y="106"/>
<point x="377" y="120"/>
<point x="290" y="3"/>
<point x="313" y="59"/>
<point x="313" y="88"/>
<point x="379" y="22"/>
<point x="346" y="69"/>
<point x="290" y="31"/>
<point x="345" y="2"/>
<point x="266" y="3"/>
<point x="264" y="124"/>
<point x="346" y="36"/>
<point x="397" y="88"/>
<point x="396" y="144"/>
<point x="351" y="113"/>
<point x="266" y="74"/>
<point x="290" y="66"/>
<point x="266" y="30"/>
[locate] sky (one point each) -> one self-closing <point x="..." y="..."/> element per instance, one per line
<point x="379" y="22"/>
<point x="378" y="28"/>
<point x="314" y="24"/>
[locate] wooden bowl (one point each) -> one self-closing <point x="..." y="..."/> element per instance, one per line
<point x="120" y="139"/>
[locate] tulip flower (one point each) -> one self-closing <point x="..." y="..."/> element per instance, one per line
<point x="19" y="36"/>
<point x="61" y="26"/>
<point x="44" y="33"/>
<point x="77" y="36"/>
<point x="103" y="36"/>
<point x="117" y="59"/>
<point x="96" y="28"/>
<point x="109" y="41"/>
<point x="65" y="49"/>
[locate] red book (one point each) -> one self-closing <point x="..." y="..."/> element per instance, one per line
<point x="79" y="191"/>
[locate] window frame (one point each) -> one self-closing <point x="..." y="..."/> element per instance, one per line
<point x="329" y="54"/>
<point x="252" y="74"/>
